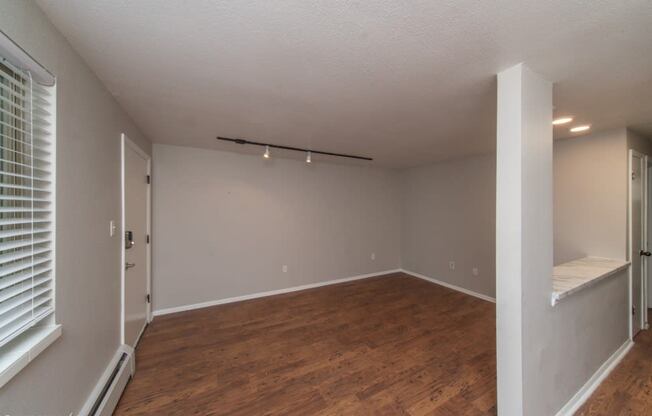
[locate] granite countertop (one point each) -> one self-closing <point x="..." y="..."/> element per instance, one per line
<point x="568" y="278"/>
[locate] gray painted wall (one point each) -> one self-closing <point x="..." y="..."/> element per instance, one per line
<point x="581" y="332"/>
<point x="225" y="223"/>
<point x="590" y="203"/>
<point x="590" y="199"/>
<point x="89" y="123"/>
<point x="449" y="214"/>
<point x="638" y="142"/>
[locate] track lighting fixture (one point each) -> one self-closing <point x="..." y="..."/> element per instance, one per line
<point x="296" y="149"/>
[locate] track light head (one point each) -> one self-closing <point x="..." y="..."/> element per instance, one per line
<point x="266" y="154"/>
<point x="309" y="157"/>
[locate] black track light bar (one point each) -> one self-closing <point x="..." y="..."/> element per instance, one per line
<point x="296" y="149"/>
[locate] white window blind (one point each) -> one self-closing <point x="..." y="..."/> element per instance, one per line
<point x="26" y="203"/>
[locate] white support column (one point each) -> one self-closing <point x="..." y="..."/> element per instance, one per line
<point x="524" y="239"/>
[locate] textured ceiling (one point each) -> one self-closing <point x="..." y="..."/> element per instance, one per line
<point x="406" y="82"/>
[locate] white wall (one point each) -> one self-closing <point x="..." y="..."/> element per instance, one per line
<point x="224" y="223"/>
<point x="449" y="214"/>
<point x="89" y="123"/>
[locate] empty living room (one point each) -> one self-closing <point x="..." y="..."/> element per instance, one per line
<point x="284" y="207"/>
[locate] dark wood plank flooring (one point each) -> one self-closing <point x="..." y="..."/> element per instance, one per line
<point x="393" y="345"/>
<point x="628" y="389"/>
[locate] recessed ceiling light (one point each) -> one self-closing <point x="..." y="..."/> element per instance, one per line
<point x="578" y="129"/>
<point x="562" y="120"/>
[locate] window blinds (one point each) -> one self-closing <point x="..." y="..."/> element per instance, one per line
<point x="26" y="202"/>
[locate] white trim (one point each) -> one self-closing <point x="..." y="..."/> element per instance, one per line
<point x="644" y="245"/>
<point x="182" y="308"/>
<point x="110" y="400"/>
<point x="629" y="244"/>
<point x="149" y="244"/>
<point x="18" y="353"/>
<point x="592" y="383"/>
<point x="122" y="238"/>
<point x="207" y="304"/>
<point x="126" y="141"/>
<point x="25" y="348"/>
<point x="52" y="119"/>
<point x="645" y="289"/>
<point x="451" y="286"/>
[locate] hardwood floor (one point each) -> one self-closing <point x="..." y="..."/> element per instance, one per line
<point x="628" y="389"/>
<point x="393" y="345"/>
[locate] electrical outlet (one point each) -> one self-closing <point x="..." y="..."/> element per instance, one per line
<point x="373" y="256"/>
<point x="285" y="268"/>
<point x="451" y="265"/>
<point x="475" y="271"/>
<point x="112" y="228"/>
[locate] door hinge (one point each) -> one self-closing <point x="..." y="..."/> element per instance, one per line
<point x="149" y="298"/>
<point x="634" y="310"/>
<point x="148" y="178"/>
<point x="147" y="238"/>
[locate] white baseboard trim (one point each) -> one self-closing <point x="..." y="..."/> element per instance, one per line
<point x="200" y="305"/>
<point x="598" y="377"/>
<point x="451" y="286"/>
<point x="117" y="386"/>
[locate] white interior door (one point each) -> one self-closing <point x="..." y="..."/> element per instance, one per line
<point x="639" y="252"/>
<point x="135" y="242"/>
<point x="648" y="268"/>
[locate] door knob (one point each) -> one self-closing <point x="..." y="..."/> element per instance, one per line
<point x="645" y="253"/>
<point x="129" y="265"/>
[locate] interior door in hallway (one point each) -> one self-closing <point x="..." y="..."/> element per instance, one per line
<point x="647" y="291"/>
<point x="639" y="252"/>
<point x="135" y="237"/>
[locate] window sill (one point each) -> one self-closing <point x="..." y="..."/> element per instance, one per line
<point x="21" y="351"/>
